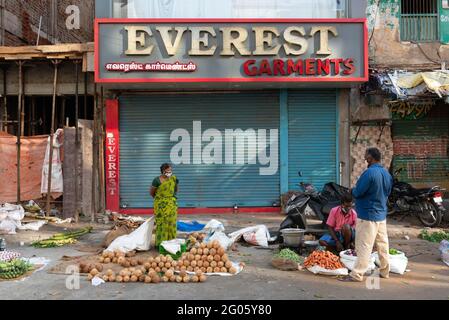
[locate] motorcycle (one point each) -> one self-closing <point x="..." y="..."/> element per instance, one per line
<point x="426" y="204"/>
<point x="310" y="202"/>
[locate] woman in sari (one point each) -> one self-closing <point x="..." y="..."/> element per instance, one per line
<point x="163" y="191"/>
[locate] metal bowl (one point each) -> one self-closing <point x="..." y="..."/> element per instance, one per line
<point x="293" y="237"/>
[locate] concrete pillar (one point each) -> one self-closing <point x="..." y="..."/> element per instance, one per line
<point x="344" y="136"/>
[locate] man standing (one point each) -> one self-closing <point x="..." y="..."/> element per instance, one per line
<point x="371" y="194"/>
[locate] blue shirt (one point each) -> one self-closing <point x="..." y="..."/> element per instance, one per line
<point x="372" y="192"/>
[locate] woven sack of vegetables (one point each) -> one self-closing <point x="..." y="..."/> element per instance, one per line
<point x="325" y="263"/>
<point x="286" y="260"/>
<point x="349" y="258"/>
<point x="398" y="261"/>
<point x="284" y="264"/>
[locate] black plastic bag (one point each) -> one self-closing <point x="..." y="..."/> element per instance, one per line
<point x="333" y="192"/>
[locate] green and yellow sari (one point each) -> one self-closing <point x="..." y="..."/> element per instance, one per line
<point x="165" y="209"/>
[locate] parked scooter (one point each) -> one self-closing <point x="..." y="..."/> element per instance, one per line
<point x="425" y="204"/>
<point x="311" y="202"/>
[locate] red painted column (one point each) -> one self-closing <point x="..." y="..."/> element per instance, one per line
<point x="112" y="161"/>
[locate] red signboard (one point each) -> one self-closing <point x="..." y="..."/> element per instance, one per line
<point x="112" y="144"/>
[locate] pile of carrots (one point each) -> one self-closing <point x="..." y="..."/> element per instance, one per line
<point x="324" y="259"/>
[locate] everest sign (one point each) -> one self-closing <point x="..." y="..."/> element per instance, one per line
<point x="231" y="50"/>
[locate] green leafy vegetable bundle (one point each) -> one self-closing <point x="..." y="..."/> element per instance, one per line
<point x="288" y="254"/>
<point x="434" y="236"/>
<point x="14" y="269"/>
<point x="62" y="239"/>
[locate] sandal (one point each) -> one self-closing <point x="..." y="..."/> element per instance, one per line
<point x="347" y="279"/>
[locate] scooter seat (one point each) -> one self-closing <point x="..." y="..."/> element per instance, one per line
<point x="417" y="192"/>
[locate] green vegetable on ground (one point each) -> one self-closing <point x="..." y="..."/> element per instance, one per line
<point x="288" y="254"/>
<point x="62" y="239"/>
<point x="394" y="252"/>
<point x="437" y="236"/>
<point x="14" y="269"/>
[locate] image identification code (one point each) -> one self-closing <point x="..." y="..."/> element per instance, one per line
<point x="225" y="310"/>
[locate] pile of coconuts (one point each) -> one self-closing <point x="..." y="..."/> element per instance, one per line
<point x="206" y="258"/>
<point x="152" y="270"/>
<point x="201" y="259"/>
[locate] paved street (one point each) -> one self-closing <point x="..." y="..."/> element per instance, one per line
<point x="428" y="277"/>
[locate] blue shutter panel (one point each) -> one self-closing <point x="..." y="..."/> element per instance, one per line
<point x="146" y="123"/>
<point x="312" y="137"/>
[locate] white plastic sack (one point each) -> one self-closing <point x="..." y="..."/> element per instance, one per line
<point x="445" y="256"/>
<point x="213" y="226"/>
<point x="139" y="240"/>
<point x="444" y="245"/>
<point x="256" y="238"/>
<point x="444" y="250"/>
<point x="12" y="212"/>
<point x="8" y="226"/>
<point x="33" y="226"/>
<point x="258" y="235"/>
<point x="349" y="261"/>
<point x="38" y="261"/>
<point x="326" y="272"/>
<point x="221" y="237"/>
<point x="173" y="246"/>
<point x="57" y="180"/>
<point x="398" y="262"/>
<point x="10" y="218"/>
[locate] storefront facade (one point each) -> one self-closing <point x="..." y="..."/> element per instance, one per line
<point x="244" y="109"/>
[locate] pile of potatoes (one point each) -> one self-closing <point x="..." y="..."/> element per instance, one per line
<point x="206" y="258"/>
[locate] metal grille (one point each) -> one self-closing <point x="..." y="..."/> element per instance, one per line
<point x="419" y="20"/>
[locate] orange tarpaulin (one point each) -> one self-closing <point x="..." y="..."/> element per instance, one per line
<point x="32" y="156"/>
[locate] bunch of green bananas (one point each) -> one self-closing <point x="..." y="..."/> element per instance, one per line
<point x="14" y="269"/>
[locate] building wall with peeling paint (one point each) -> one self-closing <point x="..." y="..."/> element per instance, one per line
<point x="420" y="146"/>
<point x="386" y="47"/>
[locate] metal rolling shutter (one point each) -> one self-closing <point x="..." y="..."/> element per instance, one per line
<point x="146" y="123"/>
<point x="312" y="137"/>
<point x="421" y="147"/>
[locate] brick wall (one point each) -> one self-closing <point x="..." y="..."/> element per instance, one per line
<point x="21" y="22"/>
<point x="85" y="33"/>
<point x="432" y="146"/>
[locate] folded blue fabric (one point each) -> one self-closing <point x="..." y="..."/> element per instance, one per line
<point x="190" y="226"/>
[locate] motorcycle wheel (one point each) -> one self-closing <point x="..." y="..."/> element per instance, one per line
<point x="431" y="216"/>
<point x="390" y="209"/>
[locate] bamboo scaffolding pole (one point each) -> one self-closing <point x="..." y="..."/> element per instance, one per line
<point x="5" y="99"/>
<point x="52" y="132"/>
<point x="19" y="129"/>
<point x="85" y="95"/>
<point x="77" y="141"/>
<point x="22" y="112"/>
<point x="33" y="115"/>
